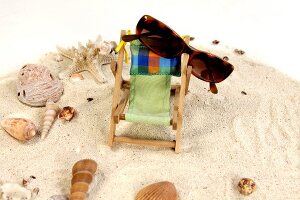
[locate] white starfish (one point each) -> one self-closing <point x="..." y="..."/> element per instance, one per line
<point x="86" y="58"/>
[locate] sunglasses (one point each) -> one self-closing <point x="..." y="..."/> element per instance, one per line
<point x="165" y="42"/>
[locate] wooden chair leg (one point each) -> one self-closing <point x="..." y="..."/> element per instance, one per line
<point x="116" y="93"/>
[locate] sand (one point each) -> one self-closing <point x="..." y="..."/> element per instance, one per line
<point x="226" y="137"/>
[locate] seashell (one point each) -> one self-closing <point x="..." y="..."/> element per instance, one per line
<point x="14" y="191"/>
<point x="85" y="177"/>
<point x="19" y="128"/>
<point x="246" y="186"/>
<point x="58" y="197"/>
<point x="78" y="195"/>
<point x="158" y="191"/>
<point x="58" y="58"/>
<point x="67" y="113"/>
<point x="85" y="165"/>
<point x="36" y="85"/>
<point x="76" y="77"/>
<point x="79" y="187"/>
<point x="49" y="117"/>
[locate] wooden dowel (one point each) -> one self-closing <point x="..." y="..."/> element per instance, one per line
<point x="159" y="143"/>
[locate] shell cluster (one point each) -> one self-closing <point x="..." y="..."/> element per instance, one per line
<point x="19" y="128"/>
<point x="158" y="191"/>
<point x="36" y="85"/>
<point x="246" y="186"/>
<point x="82" y="176"/>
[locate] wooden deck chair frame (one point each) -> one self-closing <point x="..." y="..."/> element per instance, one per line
<point x="119" y="104"/>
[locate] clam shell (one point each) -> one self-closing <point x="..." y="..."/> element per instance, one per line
<point x="85" y="164"/>
<point x="36" y="85"/>
<point x="85" y="177"/>
<point x="78" y="195"/>
<point x="19" y="128"/>
<point x="158" y="191"/>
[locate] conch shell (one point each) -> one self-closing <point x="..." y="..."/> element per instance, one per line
<point x="158" y="191"/>
<point x="83" y="172"/>
<point x="49" y="117"/>
<point x="19" y="128"/>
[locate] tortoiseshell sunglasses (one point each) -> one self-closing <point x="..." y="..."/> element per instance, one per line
<point x="165" y="42"/>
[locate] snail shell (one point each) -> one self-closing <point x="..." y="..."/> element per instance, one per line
<point x="67" y="113"/>
<point x="85" y="165"/>
<point x="49" y="117"/>
<point x="79" y="187"/>
<point x="158" y="191"/>
<point x="246" y="186"/>
<point x="19" y="128"/>
<point x="84" y="176"/>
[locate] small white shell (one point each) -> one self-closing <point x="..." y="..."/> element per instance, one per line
<point x="14" y="191"/>
<point x="49" y="117"/>
<point x="19" y="128"/>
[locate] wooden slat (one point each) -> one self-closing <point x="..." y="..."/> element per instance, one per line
<point x="159" y="143"/>
<point x="121" y="106"/>
<point x="113" y="67"/>
<point x="188" y="78"/>
<point x="116" y="93"/>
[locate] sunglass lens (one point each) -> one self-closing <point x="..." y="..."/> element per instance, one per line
<point x="210" y="68"/>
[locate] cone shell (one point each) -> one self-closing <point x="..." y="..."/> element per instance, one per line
<point x="85" y="165"/>
<point x="158" y="191"/>
<point x="19" y="128"/>
<point x="49" y="117"/>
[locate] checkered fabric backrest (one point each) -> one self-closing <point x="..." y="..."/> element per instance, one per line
<point x="145" y="62"/>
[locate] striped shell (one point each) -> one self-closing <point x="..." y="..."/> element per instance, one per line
<point x="49" y="117"/>
<point x="158" y="191"/>
<point x="36" y="85"/>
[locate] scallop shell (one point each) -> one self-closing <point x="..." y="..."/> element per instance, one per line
<point x="49" y="117"/>
<point x="67" y="113"/>
<point x="158" y="191"/>
<point x="36" y="85"/>
<point x="58" y="197"/>
<point x="19" y="128"/>
<point x="85" y="165"/>
<point x="14" y="191"/>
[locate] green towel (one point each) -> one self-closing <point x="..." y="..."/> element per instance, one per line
<point x="149" y="100"/>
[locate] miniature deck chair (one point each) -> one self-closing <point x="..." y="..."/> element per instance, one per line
<point x="148" y="97"/>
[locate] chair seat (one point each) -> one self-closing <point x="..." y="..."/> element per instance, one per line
<point x="149" y="100"/>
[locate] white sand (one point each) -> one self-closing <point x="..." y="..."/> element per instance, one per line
<point x="226" y="137"/>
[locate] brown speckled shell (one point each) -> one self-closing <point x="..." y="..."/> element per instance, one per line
<point x="36" y="85"/>
<point x="19" y="128"/>
<point x="158" y="191"/>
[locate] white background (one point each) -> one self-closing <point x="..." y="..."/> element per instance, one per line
<point x="265" y="29"/>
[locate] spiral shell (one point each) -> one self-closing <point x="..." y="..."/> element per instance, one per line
<point x="158" y="191"/>
<point x="36" y="85"/>
<point x="49" y="117"/>
<point x="83" y="172"/>
<point x="19" y="128"/>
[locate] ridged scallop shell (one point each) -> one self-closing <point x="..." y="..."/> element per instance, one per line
<point x="36" y="85"/>
<point x="58" y="197"/>
<point x="14" y="191"/>
<point x="49" y="117"/>
<point x="158" y="191"/>
<point x="85" y="165"/>
<point x="19" y="128"/>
